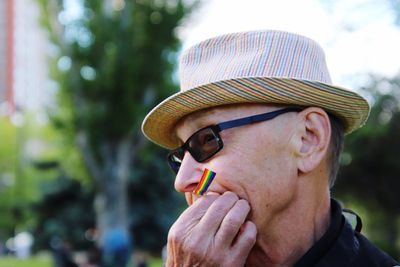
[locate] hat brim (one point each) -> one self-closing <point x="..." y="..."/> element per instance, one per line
<point x="348" y="106"/>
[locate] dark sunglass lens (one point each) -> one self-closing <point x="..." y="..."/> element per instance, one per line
<point x="174" y="160"/>
<point x="174" y="166"/>
<point x="204" y="144"/>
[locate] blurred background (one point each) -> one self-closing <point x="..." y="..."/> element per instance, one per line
<point x="77" y="78"/>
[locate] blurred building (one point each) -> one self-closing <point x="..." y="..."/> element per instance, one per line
<point x="23" y="55"/>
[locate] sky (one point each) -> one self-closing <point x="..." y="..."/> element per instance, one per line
<point x="358" y="36"/>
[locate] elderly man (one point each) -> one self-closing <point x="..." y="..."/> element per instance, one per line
<point x="259" y="110"/>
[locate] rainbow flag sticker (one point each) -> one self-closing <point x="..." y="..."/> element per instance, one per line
<point x="205" y="181"/>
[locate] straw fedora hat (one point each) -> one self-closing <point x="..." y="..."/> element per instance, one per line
<point x="269" y="67"/>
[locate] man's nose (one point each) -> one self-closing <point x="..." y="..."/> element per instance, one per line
<point x="189" y="174"/>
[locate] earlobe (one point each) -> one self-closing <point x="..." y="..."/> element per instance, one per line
<point x="314" y="139"/>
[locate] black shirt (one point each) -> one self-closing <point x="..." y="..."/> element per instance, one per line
<point x="344" y="247"/>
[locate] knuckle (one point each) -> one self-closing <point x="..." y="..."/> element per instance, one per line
<point x="191" y="245"/>
<point x="229" y="263"/>
<point x="174" y="236"/>
<point x="211" y="197"/>
<point x="214" y="260"/>
<point x="227" y="232"/>
<point x="233" y="260"/>
<point x="197" y="251"/>
<point x="218" y="212"/>
<point x="231" y="196"/>
<point x="233" y="221"/>
<point x="207" y="200"/>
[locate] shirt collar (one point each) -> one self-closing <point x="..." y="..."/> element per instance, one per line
<point x="321" y="247"/>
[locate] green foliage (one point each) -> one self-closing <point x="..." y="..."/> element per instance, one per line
<point x="154" y="206"/>
<point x="113" y="62"/>
<point x="8" y="145"/>
<point x="120" y="63"/>
<point x="65" y="211"/>
<point x="155" y="262"/>
<point x="371" y="169"/>
<point x="8" y="160"/>
<point x="373" y="152"/>
<point x="19" y="181"/>
<point x="28" y="146"/>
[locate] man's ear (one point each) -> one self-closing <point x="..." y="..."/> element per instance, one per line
<point x="314" y="138"/>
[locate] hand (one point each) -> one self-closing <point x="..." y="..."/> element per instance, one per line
<point x="212" y="232"/>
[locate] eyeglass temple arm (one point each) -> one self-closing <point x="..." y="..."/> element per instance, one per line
<point x="255" y="118"/>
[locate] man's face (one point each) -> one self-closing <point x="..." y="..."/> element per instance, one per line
<point x="257" y="161"/>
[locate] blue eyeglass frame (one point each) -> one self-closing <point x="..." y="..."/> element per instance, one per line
<point x="216" y="129"/>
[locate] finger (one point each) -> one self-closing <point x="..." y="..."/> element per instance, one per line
<point x="232" y="222"/>
<point x="196" y="211"/>
<point x="245" y="240"/>
<point x="182" y="231"/>
<point x="215" y="214"/>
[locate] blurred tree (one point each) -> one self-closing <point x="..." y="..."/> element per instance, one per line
<point x="64" y="212"/>
<point x="8" y="149"/>
<point x="370" y="172"/>
<point x="113" y="61"/>
<point x="154" y="203"/>
<point x="8" y="160"/>
<point x="21" y="182"/>
<point x="371" y="169"/>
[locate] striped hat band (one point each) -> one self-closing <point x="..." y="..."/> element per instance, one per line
<point x="270" y="67"/>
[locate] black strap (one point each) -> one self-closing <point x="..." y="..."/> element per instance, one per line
<point x="358" y="220"/>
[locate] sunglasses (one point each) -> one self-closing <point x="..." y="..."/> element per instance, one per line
<point x="207" y="142"/>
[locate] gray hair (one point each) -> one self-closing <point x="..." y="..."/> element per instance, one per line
<point x="335" y="147"/>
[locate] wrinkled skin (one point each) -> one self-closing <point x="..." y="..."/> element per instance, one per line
<point x="268" y="175"/>
<point x="212" y="232"/>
